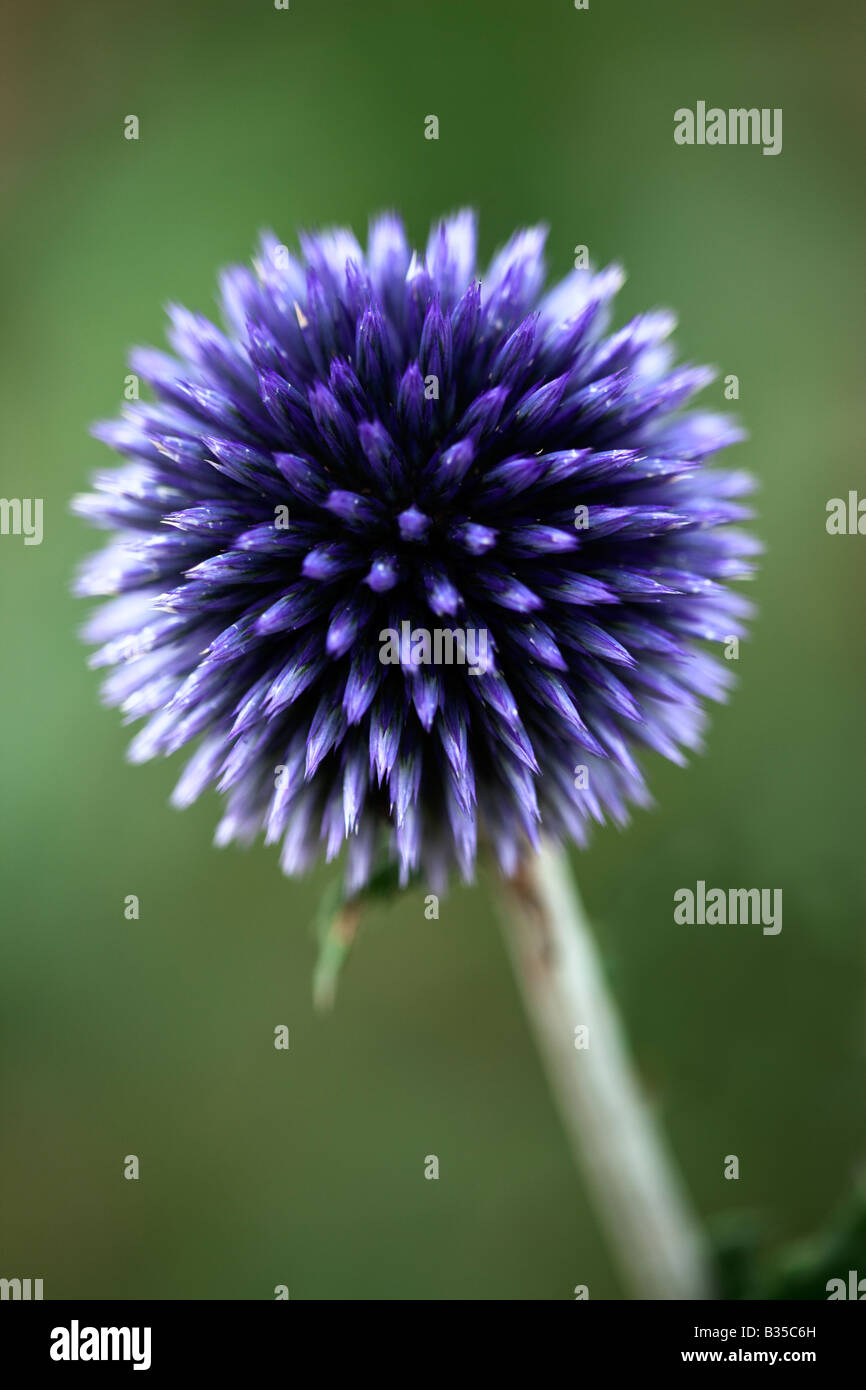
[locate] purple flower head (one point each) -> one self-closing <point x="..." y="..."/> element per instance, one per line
<point x="418" y="557"/>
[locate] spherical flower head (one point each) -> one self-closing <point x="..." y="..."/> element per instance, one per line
<point x="419" y="557"/>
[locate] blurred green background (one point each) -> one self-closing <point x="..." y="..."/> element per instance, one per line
<point x="305" y="1168"/>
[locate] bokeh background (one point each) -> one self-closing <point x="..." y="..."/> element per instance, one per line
<point x="155" y="1037"/>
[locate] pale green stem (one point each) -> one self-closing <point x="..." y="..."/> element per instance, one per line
<point x="655" y="1238"/>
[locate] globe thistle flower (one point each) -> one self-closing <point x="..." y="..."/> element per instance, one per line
<point x="385" y="438"/>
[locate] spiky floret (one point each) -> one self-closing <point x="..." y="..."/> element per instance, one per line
<point x="384" y="438"/>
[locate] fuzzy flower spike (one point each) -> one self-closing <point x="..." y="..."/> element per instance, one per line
<point x="385" y="442"/>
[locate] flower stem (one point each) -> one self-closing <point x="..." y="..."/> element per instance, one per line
<point x="641" y="1204"/>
